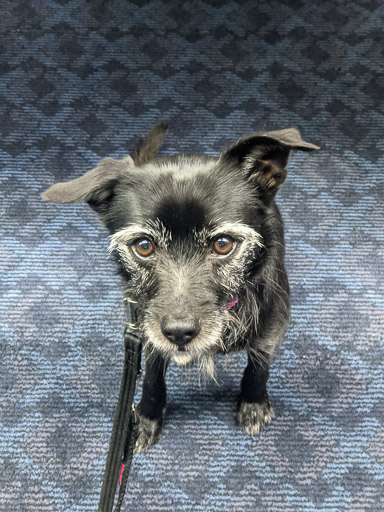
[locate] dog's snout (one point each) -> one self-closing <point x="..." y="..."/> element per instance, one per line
<point x="180" y="330"/>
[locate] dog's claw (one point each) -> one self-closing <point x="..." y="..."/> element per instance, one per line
<point x="253" y="417"/>
<point x="149" y="433"/>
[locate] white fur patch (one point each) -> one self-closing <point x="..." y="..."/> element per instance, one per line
<point x="182" y="358"/>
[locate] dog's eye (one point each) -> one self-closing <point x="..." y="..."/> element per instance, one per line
<point x="223" y="245"/>
<point x="143" y="248"/>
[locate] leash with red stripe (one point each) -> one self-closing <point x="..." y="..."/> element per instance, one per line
<point x="126" y="422"/>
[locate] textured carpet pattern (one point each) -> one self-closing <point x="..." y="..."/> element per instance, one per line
<point x="82" y="80"/>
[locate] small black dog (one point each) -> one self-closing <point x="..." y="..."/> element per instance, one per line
<point x="200" y="245"/>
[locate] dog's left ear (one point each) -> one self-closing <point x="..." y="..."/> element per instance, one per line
<point x="264" y="157"/>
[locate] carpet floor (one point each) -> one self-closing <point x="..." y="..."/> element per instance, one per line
<point x="82" y="80"/>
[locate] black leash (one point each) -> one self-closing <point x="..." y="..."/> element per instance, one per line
<point x="126" y="422"/>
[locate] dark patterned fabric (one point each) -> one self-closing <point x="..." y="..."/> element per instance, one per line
<point x="81" y="80"/>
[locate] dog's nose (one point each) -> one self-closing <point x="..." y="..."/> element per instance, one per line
<point x="180" y="330"/>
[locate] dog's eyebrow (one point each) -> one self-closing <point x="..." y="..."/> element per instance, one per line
<point x="154" y="230"/>
<point x="128" y="234"/>
<point x="238" y="230"/>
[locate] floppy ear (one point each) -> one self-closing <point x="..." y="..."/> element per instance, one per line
<point x="264" y="157"/>
<point x="95" y="186"/>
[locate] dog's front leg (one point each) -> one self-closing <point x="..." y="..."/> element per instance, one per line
<point x="152" y="404"/>
<point x="254" y="411"/>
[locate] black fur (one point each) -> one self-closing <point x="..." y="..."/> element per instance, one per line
<point x="194" y="302"/>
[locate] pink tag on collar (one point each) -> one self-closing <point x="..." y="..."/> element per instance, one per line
<point x="233" y="302"/>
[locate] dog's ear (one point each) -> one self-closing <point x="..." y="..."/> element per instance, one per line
<point x="264" y="157"/>
<point x="96" y="187"/>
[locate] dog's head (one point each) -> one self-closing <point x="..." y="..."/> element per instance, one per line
<point x="191" y="233"/>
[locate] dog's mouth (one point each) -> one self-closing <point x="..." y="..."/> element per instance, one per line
<point x="188" y="340"/>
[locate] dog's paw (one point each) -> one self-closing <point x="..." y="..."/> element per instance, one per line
<point x="149" y="433"/>
<point x="253" y="417"/>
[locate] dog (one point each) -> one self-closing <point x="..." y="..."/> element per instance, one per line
<point x="199" y="243"/>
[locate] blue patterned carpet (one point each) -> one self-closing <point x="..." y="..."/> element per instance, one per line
<point x="81" y="80"/>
